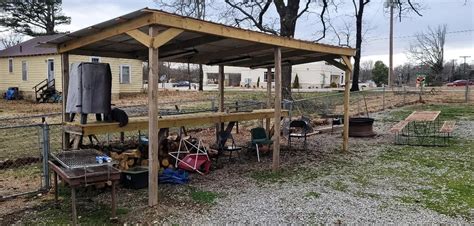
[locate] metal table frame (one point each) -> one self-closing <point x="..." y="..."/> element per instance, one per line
<point x="75" y="181"/>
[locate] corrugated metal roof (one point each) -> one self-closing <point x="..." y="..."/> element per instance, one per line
<point x="194" y="46"/>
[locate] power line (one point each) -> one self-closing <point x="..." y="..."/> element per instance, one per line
<point x="413" y="36"/>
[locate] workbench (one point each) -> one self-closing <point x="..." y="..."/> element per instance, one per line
<point x="141" y="123"/>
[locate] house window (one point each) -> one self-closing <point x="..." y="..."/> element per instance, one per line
<point x="95" y="59"/>
<point x="265" y="76"/>
<point x="24" y="71"/>
<point x="10" y="65"/>
<point x="125" y="74"/>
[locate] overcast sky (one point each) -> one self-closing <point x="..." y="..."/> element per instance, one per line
<point x="458" y="15"/>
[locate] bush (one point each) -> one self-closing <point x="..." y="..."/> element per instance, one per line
<point x="333" y="85"/>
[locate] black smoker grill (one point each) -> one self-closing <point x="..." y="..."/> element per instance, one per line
<point x="90" y="90"/>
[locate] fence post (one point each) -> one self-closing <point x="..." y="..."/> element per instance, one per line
<point x="45" y="153"/>
<point x="466" y="95"/>
<point x="383" y="97"/>
<point x="404" y="95"/>
<point x="237" y="123"/>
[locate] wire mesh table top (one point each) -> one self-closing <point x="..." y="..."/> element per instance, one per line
<point x="79" y="158"/>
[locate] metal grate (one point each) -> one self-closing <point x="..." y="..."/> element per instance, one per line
<point x="79" y="158"/>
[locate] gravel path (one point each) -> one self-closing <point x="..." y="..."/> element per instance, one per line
<point x="244" y="200"/>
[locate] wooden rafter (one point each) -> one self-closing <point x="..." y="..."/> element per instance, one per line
<point x="200" y="26"/>
<point x="106" y="33"/>
<point x="141" y="37"/>
<point x="190" y="43"/>
<point x="337" y="64"/>
<point x="166" y="36"/>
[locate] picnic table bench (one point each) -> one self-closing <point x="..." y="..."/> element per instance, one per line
<point x="423" y="128"/>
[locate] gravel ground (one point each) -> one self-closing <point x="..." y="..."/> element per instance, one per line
<point x="244" y="200"/>
<point x="318" y="185"/>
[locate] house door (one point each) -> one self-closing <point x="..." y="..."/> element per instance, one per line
<point x="50" y="70"/>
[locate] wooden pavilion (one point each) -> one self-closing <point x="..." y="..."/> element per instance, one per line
<point x="154" y="35"/>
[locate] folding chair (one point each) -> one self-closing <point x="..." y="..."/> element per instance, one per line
<point x="259" y="137"/>
<point x="300" y="130"/>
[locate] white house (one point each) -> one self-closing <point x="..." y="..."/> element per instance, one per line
<point x="312" y="75"/>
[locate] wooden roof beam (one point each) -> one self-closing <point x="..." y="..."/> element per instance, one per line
<point x="270" y="57"/>
<point x="209" y="57"/>
<point x="194" y="42"/>
<point x="200" y="26"/>
<point x="107" y="33"/>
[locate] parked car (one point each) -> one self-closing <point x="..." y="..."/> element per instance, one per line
<point x="181" y="84"/>
<point x="460" y="83"/>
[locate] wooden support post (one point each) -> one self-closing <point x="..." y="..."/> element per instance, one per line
<point x="269" y="98"/>
<point x="65" y="86"/>
<point x="221" y="92"/>
<point x="221" y="88"/>
<point x="347" y="79"/>
<point x="153" y="161"/>
<point x="276" y="123"/>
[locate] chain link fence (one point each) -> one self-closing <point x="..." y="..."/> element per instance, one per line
<point x="374" y="100"/>
<point x="23" y="166"/>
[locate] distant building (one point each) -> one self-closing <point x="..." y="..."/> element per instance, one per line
<point x="26" y="64"/>
<point x="312" y="75"/>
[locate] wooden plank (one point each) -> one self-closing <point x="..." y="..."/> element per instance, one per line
<point x="166" y="36"/>
<point x="189" y="43"/>
<point x="107" y="33"/>
<point x="269" y="98"/>
<point x="277" y="120"/>
<point x="345" y="144"/>
<point x="201" y="26"/>
<point x="65" y="84"/>
<point x="208" y="57"/>
<point x="140" y="37"/>
<point x="221" y="87"/>
<point x="336" y="64"/>
<point x="141" y="123"/>
<point x="448" y="127"/>
<point x="153" y="147"/>
<point x="397" y="128"/>
<point x="347" y="62"/>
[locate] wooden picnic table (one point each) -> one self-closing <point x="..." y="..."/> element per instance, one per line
<point x="423" y="128"/>
<point x="423" y="116"/>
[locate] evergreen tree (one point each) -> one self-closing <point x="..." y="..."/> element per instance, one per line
<point x="296" y="82"/>
<point x="380" y="73"/>
<point x="34" y="18"/>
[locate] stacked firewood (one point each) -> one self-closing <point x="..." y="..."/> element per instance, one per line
<point x="139" y="157"/>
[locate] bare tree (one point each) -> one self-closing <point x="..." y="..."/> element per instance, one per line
<point x="192" y="8"/>
<point x="404" y="7"/>
<point x="366" y="70"/>
<point x="11" y="39"/>
<point x="428" y="49"/>
<point x="256" y="13"/>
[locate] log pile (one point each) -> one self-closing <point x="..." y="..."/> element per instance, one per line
<point x="139" y="157"/>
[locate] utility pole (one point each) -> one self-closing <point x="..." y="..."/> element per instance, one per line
<point x="391" y="4"/>
<point x="467" y="78"/>
<point x="453" y="67"/>
<point x="465" y="57"/>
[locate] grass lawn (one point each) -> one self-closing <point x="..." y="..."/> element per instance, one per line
<point x="448" y="111"/>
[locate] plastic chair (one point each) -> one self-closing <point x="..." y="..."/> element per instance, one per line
<point x="259" y="137"/>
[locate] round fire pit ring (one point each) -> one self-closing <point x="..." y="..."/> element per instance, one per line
<point x="361" y="127"/>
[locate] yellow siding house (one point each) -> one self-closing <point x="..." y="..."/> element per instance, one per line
<point x="27" y="64"/>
